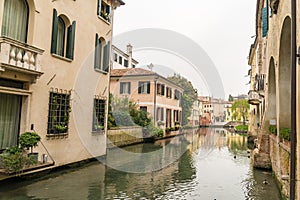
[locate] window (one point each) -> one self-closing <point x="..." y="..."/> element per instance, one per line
<point x="160" y="114"/>
<point x="63" y="36"/>
<point x="58" y="115"/>
<point x="120" y="60"/>
<point x="160" y="89"/>
<point x="125" y="88"/>
<point x="144" y="87"/>
<point x="15" y="19"/>
<point x="125" y="63"/>
<point x="115" y="57"/>
<point x="143" y="108"/>
<point x="177" y="95"/>
<point x="103" y="10"/>
<point x="99" y="114"/>
<point x="169" y="92"/>
<point x="101" y="54"/>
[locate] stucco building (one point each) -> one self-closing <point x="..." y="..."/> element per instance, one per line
<point x="53" y="54"/>
<point x="270" y="92"/>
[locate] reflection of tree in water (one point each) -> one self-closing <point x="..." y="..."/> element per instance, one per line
<point x="236" y="142"/>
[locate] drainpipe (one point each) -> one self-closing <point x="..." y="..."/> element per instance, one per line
<point x="293" y="100"/>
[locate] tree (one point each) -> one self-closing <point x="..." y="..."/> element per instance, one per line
<point x="240" y="109"/>
<point x="230" y="98"/>
<point x="189" y="95"/>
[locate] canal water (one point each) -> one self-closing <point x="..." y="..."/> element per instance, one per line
<point x="204" y="164"/>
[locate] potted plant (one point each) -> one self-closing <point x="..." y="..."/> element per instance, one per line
<point x="29" y="140"/>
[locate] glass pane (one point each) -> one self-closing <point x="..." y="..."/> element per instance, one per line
<point x="60" y="37"/>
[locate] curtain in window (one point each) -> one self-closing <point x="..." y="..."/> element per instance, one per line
<point x="60" y="37"/>
<point x="15" y="19"/>
<point x="10" y="106"/>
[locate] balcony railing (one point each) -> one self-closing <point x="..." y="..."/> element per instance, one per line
<point x="260" y="82"/>
<point x="253" y="97"/>
<point x="21" y="57"/>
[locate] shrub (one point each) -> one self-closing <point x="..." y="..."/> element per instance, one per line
<point x="241" y="128"/>
<point x="29" y="140"/>
<point x="13" y="160"/>
<point x="285" y="133"/>
<point x="273" y="129"/>
<point x="122" y="118"/>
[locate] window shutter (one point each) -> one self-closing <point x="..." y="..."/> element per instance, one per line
<point x="162" y="114"/>
<point x="129" y="87"/>
<point x="97" y="52"/>
<point x="140" y="88"/>
<point x="71" y="40"/>
<point x="54" y="32"/>
<point x="106" y="57"/>
<point x="264" y="21"/>
<point x="99" y="7"/>
<point x="121" y="88"/>
<point x="107" y="9"/>
<point x="148" y="87"/>
<point x="163" y="89"/>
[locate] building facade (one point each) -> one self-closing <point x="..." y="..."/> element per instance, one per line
<point x="153" y="93"/>
<point x="53" y="54"/>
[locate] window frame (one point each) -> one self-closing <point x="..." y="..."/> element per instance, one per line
<point x="142" y="86"/>
<point x="99" y="114"/>
<point x="122" y="88"/>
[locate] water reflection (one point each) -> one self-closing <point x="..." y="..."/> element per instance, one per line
<point x="206" y="164"/>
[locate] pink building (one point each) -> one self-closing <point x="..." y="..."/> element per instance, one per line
<point x="152" y="92"/>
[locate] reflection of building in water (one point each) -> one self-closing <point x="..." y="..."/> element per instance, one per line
<point x="236" y="142"/>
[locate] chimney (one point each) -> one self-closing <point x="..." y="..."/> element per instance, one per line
<point x="129" y="52"/>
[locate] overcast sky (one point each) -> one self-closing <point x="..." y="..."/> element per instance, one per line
<point x="222" y="28"/>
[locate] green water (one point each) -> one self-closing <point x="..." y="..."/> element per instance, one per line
<point x="206" y="164"/>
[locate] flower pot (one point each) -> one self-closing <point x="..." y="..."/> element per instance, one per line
<point x="33" y="157"/>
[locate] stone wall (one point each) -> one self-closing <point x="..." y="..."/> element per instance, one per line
<point x="280" y="159"/>
<point x="124" y="136"/>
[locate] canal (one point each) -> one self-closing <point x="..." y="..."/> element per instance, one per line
<point x="204" y="164"/>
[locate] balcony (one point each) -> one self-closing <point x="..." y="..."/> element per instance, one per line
<point x="253" y="97"/>
<point x="17" y="58"/>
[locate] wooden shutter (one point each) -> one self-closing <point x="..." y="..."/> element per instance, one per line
<point x="264" y="21"/>
<point x="129" y="87"/>
<point x="148" y="87"/>
<point x="163" y="89"/>
<point x="140" y="88"/>
<point x="97" y="53"/>
<point x="99" y="8"/>
<point x="71" y="40"/>
<point x="54" y="31"/>
<point x="106" y="57"/>
<point x="121" y="88"/>
<point x="162" y="114"/>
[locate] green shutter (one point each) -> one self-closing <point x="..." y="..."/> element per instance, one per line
<point x="121" y="88"/>
<point x="264" y="21"/>
<point x="99" y="8"/>
<point x="163" y="89"/>
<point x="129" y="87"/>
<point x="106" y="57"/>
<point x="140" y="88"/>
<point x="54" y="32"/>
<point x="71" y="40"/>
<point x="148" y="87"/>
<point x="97" y="52"/>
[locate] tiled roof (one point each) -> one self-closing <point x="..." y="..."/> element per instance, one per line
<point x="131" y="72"/>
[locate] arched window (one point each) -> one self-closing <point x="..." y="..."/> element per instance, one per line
<point x="102" y="54"/>
<point x="63" y="36"/>
<point x="15" y="19"/>
<point x="60" y="37"/>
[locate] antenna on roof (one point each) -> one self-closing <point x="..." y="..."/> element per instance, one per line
<point x="150" y="66"/>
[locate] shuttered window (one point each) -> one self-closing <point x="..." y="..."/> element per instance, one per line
<point x="63" y="37"/>
<point x="144" y="87"/>
<point x="265" y="21"/>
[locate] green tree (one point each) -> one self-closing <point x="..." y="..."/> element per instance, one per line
<point x="188" y="97"/>
<point x="240" y="109"/>
<point x="230" y="98"/>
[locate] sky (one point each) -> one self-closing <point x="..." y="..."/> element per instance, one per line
<point x="223" y="29"/>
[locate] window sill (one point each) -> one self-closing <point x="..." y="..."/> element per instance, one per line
<point x="107" y="22"/>
<point x="57" y="136"/>
<point x="61" y="57"/>
<point x="101" y="71"/>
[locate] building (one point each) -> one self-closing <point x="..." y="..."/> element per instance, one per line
<point x="153" y="93"/>
<point x="52" y="55"/>
<point x="195" y="113"/>
<point x="272" y="61"/>
<point x="122" y="60"/>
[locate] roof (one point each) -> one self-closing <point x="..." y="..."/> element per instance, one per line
<point x="121" y="2"/>
<point x="139" y="72"/>
<point x="131" y="72"/>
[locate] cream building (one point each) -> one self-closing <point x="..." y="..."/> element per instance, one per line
<point x="54" y="75"/>
<point x="270" y="92"/>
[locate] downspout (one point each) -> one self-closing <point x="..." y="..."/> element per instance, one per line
<point x="293" y="101"/>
